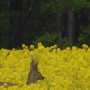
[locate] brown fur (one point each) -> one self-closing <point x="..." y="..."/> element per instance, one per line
<point x="34" y="73"/>
<point x="8" y="84"/>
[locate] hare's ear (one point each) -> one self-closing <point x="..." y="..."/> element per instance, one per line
<point x="34" y="61"/>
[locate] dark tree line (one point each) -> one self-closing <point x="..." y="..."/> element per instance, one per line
<point x="29" y="21"/>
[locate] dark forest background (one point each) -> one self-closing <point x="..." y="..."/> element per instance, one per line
<point x="61" y="22"/>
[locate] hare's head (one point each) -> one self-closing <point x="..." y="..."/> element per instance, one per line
<point x="34" y="65"/>
<point x="34" y="73"/>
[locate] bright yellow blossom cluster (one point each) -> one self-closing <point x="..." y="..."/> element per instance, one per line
<point x="67" y="69"/>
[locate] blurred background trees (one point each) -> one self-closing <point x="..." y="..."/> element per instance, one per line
<point x="61" y="22"/>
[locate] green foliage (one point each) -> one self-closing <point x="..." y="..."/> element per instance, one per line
<point x="61" y="6"/>
<point x="49" y="39"/>
<point x="85" y="35"/>
<point x="65" y="43"/>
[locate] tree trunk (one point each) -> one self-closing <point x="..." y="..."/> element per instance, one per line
<point x="59" y="27"/>
<point x="71" y="26"/>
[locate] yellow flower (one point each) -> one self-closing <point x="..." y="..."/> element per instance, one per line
<point x="85" y="46"/>
<point x="31" y="47"/>
<point x="62" y="69"/>
<point x="23" y="45"/>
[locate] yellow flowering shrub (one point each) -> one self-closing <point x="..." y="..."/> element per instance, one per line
<point x="67" y="69"/>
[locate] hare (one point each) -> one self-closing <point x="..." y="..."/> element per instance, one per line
<point x="33" y="75"/>
<point x="8" y="84"/>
